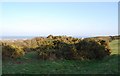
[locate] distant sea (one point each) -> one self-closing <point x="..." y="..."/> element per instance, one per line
<point x="29" y="37"/>
<point x="16" y="37"/>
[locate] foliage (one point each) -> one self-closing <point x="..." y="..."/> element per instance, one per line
<point x="91" y="49"/>
<point x="85" y="49"/>
<point x="58" y="47"/>
<point x="12" y="51"/>
<point x="62" y="50"/>
<point x="28" y="64"/>
<point x="46" y="52"/>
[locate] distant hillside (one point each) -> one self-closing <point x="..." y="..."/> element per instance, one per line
<point x="106" y="38"/>
<point x="115" y="37"/>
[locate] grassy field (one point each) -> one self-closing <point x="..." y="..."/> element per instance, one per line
<point x="29" y="64"/>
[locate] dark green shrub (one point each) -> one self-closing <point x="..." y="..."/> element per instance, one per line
<point x="91" y="49"/>
<point x="46" y="52"/>
<point x="64" y="50"/>
<point x="57" y="50"/>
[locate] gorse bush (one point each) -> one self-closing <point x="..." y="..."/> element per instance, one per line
<point x="12" y="51"/>
<point x="54" y="50"/>
<point x="18" y="51"/>
<point x="62" y="50"/>
<point x="46" y="52"/>
<point x="7" y="51"/>
<point x="65" y="39"/>
<point x="91" y="49"/>
<point x="58" y="47"/>
<point x="85" y="49"/>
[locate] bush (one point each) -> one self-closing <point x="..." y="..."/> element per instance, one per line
<point x="46" y="52"/>
<point x="12" y="51"/>
<point x="91" y="49"/>
<point x="56" y="50"/>
<point x="85" y="49"/>
<point x="62" y="50"/>
<point x="58" y="47"/>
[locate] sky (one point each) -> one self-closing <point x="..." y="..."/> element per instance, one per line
<point x="59" y="18"/>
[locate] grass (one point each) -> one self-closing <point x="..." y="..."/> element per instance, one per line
<point x="29" y="64"/>
<point x="114" y="46"/>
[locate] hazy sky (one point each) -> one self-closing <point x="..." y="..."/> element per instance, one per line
<point x="72" y="19"/>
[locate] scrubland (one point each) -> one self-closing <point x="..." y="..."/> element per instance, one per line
<point x="61" y="55"/>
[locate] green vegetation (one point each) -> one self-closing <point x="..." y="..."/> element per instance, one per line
<point x="12" y="51"/>
<point x="31" y="63"/>
<point x="58" y="47"/>
<point x="91" y="49"/>
<point x="114" y="46"/>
